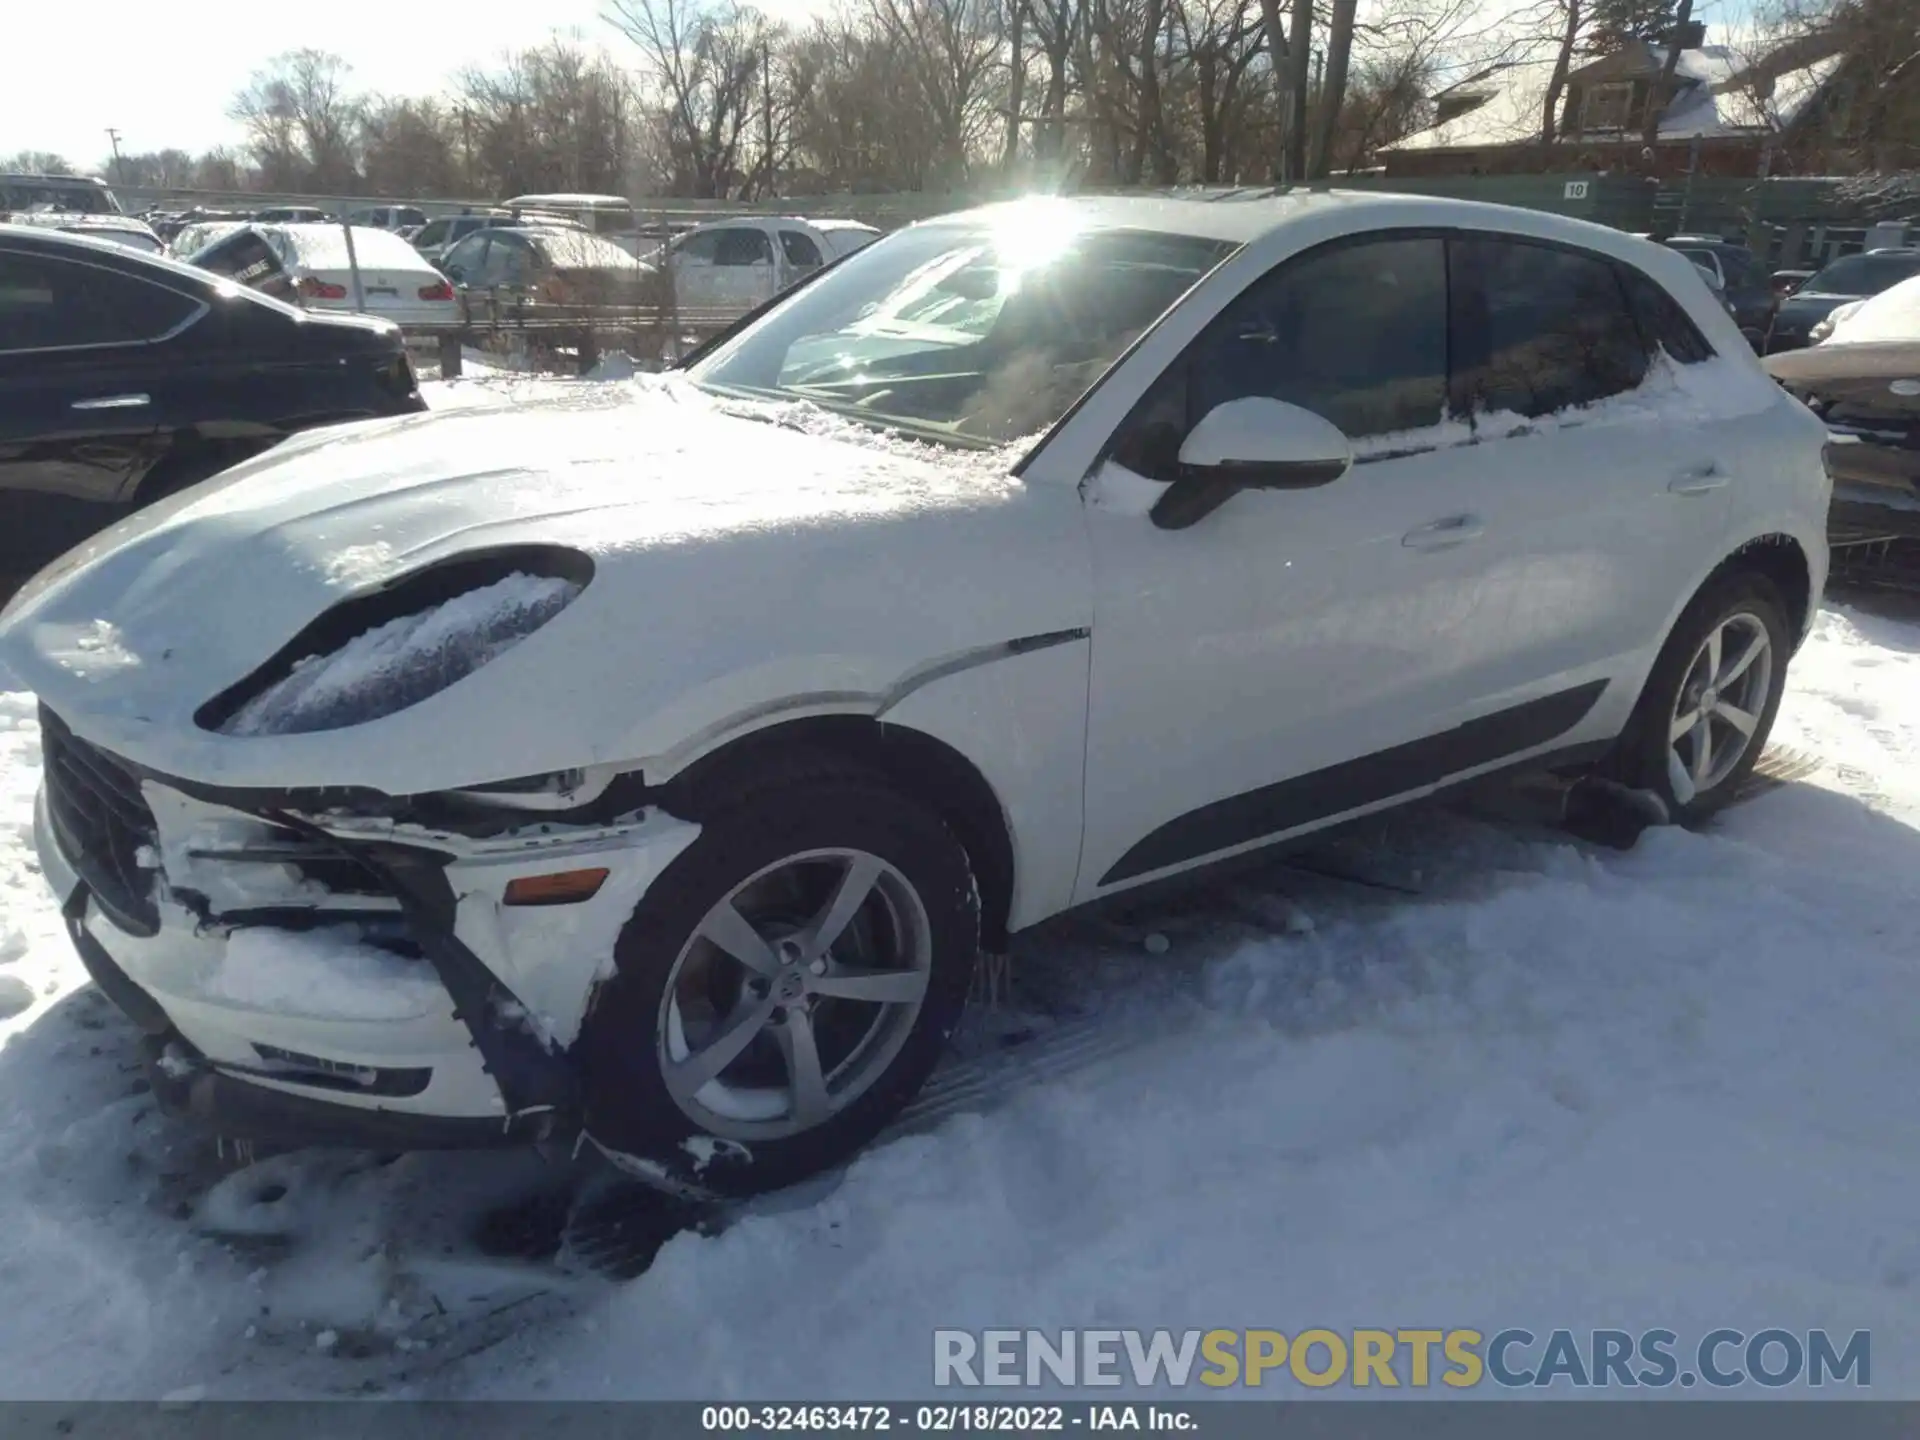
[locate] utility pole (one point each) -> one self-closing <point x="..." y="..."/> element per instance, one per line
<point x="119" y="167"/>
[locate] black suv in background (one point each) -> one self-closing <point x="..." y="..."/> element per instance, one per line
<point x="125" y="377"/>
<point x="1852" y="277"/>
<point x="1744" y="282"/>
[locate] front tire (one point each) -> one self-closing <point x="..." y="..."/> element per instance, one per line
<point x="1710" y="701"/>
<point x="785" y="987"/>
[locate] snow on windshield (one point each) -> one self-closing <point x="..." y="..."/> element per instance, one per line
<point x="404" y="661"/>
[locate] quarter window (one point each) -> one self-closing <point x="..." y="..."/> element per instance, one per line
<point x="48" y="303"/>
<point x="1663" y="324"/>
<point x="1554" y="332"/>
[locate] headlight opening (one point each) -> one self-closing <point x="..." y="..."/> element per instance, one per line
<point x="385" y="651"/>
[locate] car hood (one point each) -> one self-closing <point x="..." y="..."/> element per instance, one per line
<point x="711" y="528"/>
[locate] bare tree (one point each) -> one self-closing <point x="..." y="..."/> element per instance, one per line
<point x="408" y="147"/>
<point x="705" y="66"/>
<point x="952" y="50"/>
<point x="1333" y="89"/>
<point x="301" y="120"/>
<point x="35" y="162"/>
<point x="1573" y="17"/>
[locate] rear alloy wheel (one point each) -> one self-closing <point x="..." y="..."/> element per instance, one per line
<point x="783" y="989"/>
<point x="1717" y="713"/>
<point x="1709" y="704"/>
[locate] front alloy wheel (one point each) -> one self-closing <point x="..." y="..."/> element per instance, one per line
<point x="785" y="987"/>
<point x="794" y="995"/>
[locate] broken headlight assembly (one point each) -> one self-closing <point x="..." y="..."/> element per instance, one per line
<point x="387" y="650"/>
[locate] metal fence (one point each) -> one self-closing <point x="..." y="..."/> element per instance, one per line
<point x="652" y="335"/>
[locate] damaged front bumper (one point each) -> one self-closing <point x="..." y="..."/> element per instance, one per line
<point x="208" y="922"/>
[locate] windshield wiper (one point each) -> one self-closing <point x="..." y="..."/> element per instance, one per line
<point x="913" y="429"/>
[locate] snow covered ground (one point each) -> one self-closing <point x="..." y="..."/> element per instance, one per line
<point x="1560" y="1087"/>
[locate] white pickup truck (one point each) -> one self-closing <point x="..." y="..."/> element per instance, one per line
<point x="736" y="264"/>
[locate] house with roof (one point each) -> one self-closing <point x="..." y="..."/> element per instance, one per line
<point x="1718" y="113"/>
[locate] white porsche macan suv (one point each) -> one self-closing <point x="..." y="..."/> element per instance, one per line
<point x="654" y="763"/>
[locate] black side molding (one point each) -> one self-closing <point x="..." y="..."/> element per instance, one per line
<point x="1368" y="780"/>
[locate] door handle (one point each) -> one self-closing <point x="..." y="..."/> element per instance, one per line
<point x="1444" y="534"/>
<point x="114" y="402"/>
<point x="1698" y="479"/>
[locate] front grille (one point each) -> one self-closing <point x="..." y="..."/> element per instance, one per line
<point x="102" y="824"/>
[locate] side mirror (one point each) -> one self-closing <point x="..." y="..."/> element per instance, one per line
<point x="1251" y="444"/>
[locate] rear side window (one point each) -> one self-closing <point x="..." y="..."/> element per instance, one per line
<point x="48" y="303"/>
<point x="1552" y="332"/>
<point x="800" y="250"/>
<point x="1663" y="324"/>
<point x="431" y="232"/>
<point x="1355" y="333"/>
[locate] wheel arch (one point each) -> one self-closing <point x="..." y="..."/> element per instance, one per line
<point x="919" y="764"/>
<point x="1780" y="558"/>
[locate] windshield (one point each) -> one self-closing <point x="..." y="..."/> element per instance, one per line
<point x="970" y="334"/>
<point x="1863" y="274"/>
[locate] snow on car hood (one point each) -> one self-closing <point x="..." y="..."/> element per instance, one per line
<point x="129" y="635"/>
<point x="1891" y="316"/>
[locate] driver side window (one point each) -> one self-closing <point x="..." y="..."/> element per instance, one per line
<point x="1356" y="332"/>
<point x="742" y="247"/>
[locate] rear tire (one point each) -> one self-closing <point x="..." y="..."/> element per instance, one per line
<point x="1710" y="701"/>
<point x="729" y="1054"/>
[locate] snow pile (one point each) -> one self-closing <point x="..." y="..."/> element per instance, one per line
<point x="330" y="974"/>
<point x="1671" y="1087"/>
<point x="404" y="661"/>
